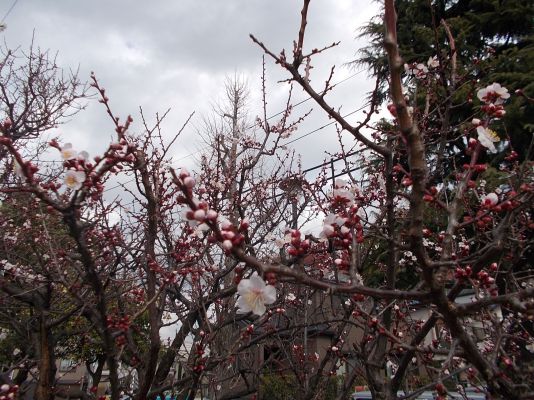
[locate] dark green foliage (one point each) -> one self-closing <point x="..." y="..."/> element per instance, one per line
<point x="494" y="42"/>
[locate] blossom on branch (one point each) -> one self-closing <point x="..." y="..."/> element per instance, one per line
<point x="254" y="294"/>
<point x="494" y="93"/>
<point x="67" y="152"/>
<point x="433" y="62"/>
<point x="487" y="137"/>
<point x="490" y="199"/>
<point x="74" y="179"/>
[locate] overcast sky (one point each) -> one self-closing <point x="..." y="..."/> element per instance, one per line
<point x="176" y="54"/>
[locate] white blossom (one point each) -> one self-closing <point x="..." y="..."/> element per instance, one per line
<point x="493" y="93"/>
<point x="67" y="152"/>
<point x="74" y="179"/>
<point x="432" y="62"/>
<point x="487" y="137"/>
<point x="254" y="294"/>
<point x="490" y="199"/>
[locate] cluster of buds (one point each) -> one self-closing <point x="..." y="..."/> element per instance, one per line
<point x="441" y="390"/>
<point x="232" y="236"/>
<point x="182" y="249"/>
<point x="493" y="110"/>
<point x="476" y="167"/>
<point x="486" y="281"/>
<point x="298" y="247"/>
<point x="5" y="125"/>
<point x="186" y="183"/>
<point x="463" y="274"/>
<point x="200" y="359"/>
<point x="298" y="354"/>
<point x="118" y="323"/>
<point x="358" y="297"/>
<point x="342" y="263"/>
<point x="271" y="278"/>
<point x="512" y="156"/>
<point x="137" y="295"/>
<point x="202" y="214"/>
<point x="248" y="331"/>
<point x="372" y="322"/>
<point x="398" y="312"/>
<point x="238" y="274"/>
<point x="167" y="277"/>
<point x="8" y="392"/>
<point x="341" y="228"/>
<point x="121" y="325"/>
<point x="430" y="194"/>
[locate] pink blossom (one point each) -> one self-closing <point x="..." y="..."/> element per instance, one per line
<point x="493" y="93"/>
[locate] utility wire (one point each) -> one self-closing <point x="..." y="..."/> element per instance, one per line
<point x="274" y="115"/>
<point x="9" y="11"/>
<point x="268" y="118"/>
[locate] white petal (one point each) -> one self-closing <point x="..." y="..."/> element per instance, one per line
<point x="259" y="308"/>
<point x="244" y="287"/>
<point x="256" y="283"/>
<point x="481" y="94"/>
<point x="79" y="176"/>
<point x="243" y="306"/>
<point x="269" y="294"/>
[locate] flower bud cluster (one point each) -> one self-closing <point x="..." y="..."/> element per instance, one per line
<point x="5" y="126"/>
<point x="8" y="392"/>
<point x="482" y="279"/>
<point x="120" y="325"/>
<point x="232" y="236"/>
<point x="342" y="226"/>
<point x="201" y="360"/>
<point x="137" y="295"/>
<point x="298" y="247"/>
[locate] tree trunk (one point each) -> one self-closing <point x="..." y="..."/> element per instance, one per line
<point x="47" y="365"/>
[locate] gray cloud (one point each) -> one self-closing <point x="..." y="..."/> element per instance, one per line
<point x="177" y="53"/>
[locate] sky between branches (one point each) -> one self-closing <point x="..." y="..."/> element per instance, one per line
<point x="177" y="53"/>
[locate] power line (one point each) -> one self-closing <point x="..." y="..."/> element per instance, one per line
<point x="268" y="118"/>
<point x="9" y="11"/>
<point x="274" y="115"/>
<point x="322" y="127"/>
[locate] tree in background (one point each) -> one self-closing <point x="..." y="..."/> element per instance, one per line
<point x="488" y="41"/>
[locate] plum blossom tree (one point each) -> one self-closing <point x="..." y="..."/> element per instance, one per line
<point x="420" y="276"/>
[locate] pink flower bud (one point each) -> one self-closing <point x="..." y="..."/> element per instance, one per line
<point x="184" y="173"/>
<point x="227" y="245"/>
<point x="328" y="230"/>
<point x="226" y="225"/>
<point x="199" y="215"/>
<point x="211" y="214"/>
<point x="189" y="182"/>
